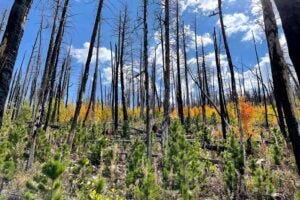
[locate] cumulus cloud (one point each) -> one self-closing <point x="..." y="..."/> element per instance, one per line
<point x="199" y="5"/>
<point x="190" y="34"/>
<point x="236" y="22"/>
<point x="80" y="54"/>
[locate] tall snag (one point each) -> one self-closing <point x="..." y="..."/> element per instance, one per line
<point x="200" y="80"/>
<point x="282" y="86"/>
<point x="204" y="84"/>
<point x="186" y="80"/>
<point x="289" y="12"/>
<point x="121" y="61"/>
<point x="43" y="93"/>
<point x="166" y="120"/>
<point x="178" y="89"/>
<point x="220" y="85"/>
<point x="92" y="103"/>
<point x="145" y="59"/>
<point x="9" y="47"/>
<point x="262" y="83"/>
<point x="72" y="132"/>
<point x="235" y="98"/>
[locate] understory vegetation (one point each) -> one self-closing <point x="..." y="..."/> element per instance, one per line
<point x="196" y="164"/>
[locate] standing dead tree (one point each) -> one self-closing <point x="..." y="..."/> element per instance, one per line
<point x="166" y="120"/>
<point x="28" y="69"/>
<point x="178" y="80"/>
<point x="154" y="89"/>
<point x="235" y="98"/>
<point x="72" y="132"/>
<point x="9" y="47"/>
<point x="262" y="83"/>
<point x="282" y="86"/>
<point x="220" y="86"/>
<point x="289" y="12"/>
<point x="200" y="81"/>
<point x="92" y="103"/>
<point x="145" y="60"/>
<point x="43" y="93"/>
<point x="188" y="104"/>
<point x="121" y="61"/>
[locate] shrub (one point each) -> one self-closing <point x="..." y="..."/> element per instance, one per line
<point x="183" y="170"/>
<point x="263" y="187"/>
<point x="234" y="164"/>
<point x="140" y="175"/>
<point x="53" y="169"/>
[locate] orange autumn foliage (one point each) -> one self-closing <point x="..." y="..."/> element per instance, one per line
<point x="247" y="115"/>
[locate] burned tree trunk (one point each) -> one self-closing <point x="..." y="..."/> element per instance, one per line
<point x="16" y="94"/>
<point x="50" y="61"/>
<point x="166" y="120"/>
<point x="121" y="60"/>
<point x="112" y="83"/>
<point x="220" y="83"/>
<point x="200" y="80"/>
<point x="289" y="12"/>
<point x="262" y="83"/>
<point x="204" y="84"/>
<point x="92" y="102"/>
<point x="282" y="86"/>
<point x="62" y="86"/>
<point x="178" y="89"/>
<point x="154" y="90"/>
<point x="235" y="97"/>
<point x="28" y="69"/>
<point x="52" y="76"/>
<point x="116" y="80"/>
<point x="132" y="80"/>
<point x="72" y="132"/>
<point x="9" y="47"/>
<point x="188" y="104"/>
<point x="145" y="59"/>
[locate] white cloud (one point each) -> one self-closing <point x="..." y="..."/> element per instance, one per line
<point x="199" y="5"/>
<point x="236" y="22"/>
<point x="190" y="34"/>
<point x="80" y="54"/>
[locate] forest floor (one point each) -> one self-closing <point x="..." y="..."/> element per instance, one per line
<point x="195" y="164"/>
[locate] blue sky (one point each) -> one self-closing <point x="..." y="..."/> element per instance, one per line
<point x="241" y="18"/>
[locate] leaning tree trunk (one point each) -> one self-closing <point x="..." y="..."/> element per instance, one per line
<point x="72" y="132"/>
<point x="262" y="83"/>
<point x="9" y="47"/>
<point x="289" y="12"/>
<point x="50" y="61"/>
<point x="199" y="74"/>
<point x="25" y="82"/>
<point x="282" y="86"/>
<point x="92" y="102"/>
<point x="51" y="86"/>
<point x="220" y="83"/>
<point x="235" y="99"/>
<point x="233" y="84"/>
